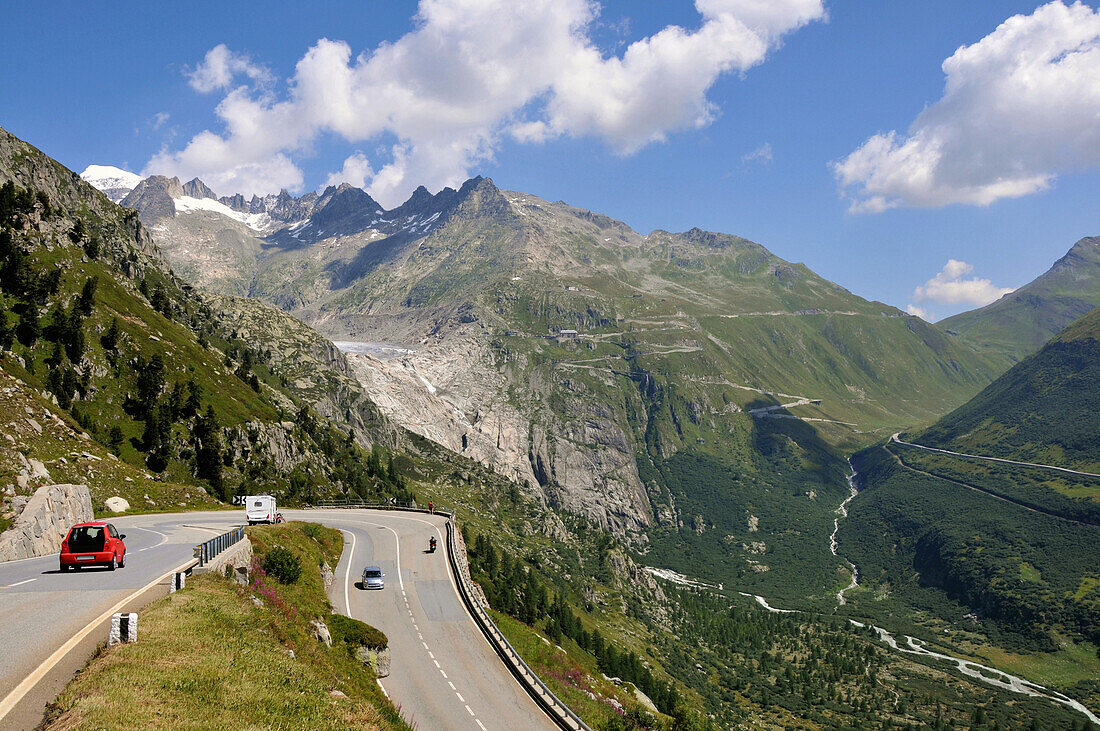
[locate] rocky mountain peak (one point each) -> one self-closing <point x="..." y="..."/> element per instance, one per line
<point x="195" y="188"/>
<point x="480" y="195"/>
<point x="1085" y="253"/>
<point x="344" y="200"/>
<point x="153" y="198"/>
<point x="236" y="202"/>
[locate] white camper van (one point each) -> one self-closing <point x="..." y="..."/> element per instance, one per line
<point x="260" y="509"/>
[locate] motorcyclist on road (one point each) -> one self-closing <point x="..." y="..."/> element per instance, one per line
<point x="431" y="544"/>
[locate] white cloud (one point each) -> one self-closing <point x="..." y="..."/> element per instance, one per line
<point x="919" y="312"/>
<point x="762" y="154"/>
<point x="356" y="171"/>
<point x="159" y="119"/>
<point x="220" y="67"/>
<point x="470" y="72"/>
<point x="1019" y="106"/>
<point x="948" y="287"/>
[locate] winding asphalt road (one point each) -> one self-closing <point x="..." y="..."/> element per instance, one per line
<point x="444" y="673"/>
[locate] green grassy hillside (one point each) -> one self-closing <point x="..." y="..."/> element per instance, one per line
<point x="996" y="555"/>
<point x="1045" y="409"/>
<point x="1021" y="322"/>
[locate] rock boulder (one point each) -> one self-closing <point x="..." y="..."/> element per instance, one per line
<point x="117" y="504"/>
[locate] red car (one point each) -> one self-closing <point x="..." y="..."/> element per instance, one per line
<point x="90" y="544"/>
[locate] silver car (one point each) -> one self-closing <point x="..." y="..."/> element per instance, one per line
<point x="373" y="578"/>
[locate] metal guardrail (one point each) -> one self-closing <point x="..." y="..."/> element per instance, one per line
<point x="558" y="711"/>
<point x="205" y="552"/>
<point x="349" y="503"/>
<point x="404" y="507"/>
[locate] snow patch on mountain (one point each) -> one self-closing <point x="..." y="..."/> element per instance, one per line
<point x="255" y="221"/>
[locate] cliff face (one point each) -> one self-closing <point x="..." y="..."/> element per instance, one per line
<point x="455" y="394"/>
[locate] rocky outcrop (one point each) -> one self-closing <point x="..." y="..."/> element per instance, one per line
<point x="576" y="456"/>
<point x="320" y="631"/>
<point x="45" y="520"/>
<point x="377" y="659"/>
<point x="153" y="198"/>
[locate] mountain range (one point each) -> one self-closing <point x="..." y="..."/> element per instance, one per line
<point x="609" y="371"/>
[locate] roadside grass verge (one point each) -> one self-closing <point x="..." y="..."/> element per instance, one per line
<point x="573" y="676"/>
<point x="219" y="655"/>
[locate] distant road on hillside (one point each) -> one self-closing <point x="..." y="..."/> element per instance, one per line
<point x="897" y="438"/>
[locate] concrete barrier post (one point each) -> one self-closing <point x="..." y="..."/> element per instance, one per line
<point x="123" y="628"/>
<point x="179" y="580"/>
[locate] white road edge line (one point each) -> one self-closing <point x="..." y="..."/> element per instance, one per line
<point x="16" y="695"/>
<point x="18" y="583"/>
<point x="347" y="574"/>
<point x="397" y="546"/>
<point x="384" y="691"/>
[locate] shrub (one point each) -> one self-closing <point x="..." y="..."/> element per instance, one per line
<point x="355" y="633"/>
<point x="283" y="564"/>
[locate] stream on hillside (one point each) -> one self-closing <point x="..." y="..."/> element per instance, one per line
<point x="842" y="512"/>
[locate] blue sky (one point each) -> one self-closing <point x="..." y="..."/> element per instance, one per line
<point x="823" y="133"/>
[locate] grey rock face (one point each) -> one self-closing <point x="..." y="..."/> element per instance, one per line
<point x="195" y="188"/>
<point x="153" y="198"/>
<point x="45" y="521"/>
<point x="378" y="660"/>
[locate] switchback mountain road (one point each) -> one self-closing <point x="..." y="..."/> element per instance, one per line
<point x="444" y="672"/>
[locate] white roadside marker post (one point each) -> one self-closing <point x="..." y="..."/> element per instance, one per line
<point x="123" y="628"/>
